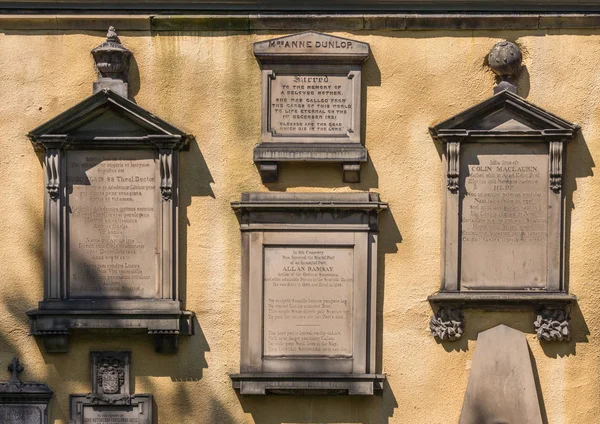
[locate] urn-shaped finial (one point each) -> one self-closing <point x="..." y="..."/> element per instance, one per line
<point x="112" y="59"/>
<point x="505" y="60"/>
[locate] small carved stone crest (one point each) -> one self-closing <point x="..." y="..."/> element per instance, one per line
<point x="111" y="375"/>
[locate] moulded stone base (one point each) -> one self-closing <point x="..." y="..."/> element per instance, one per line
<point x="307" y="383"/>
<point x="349" y="155"/>
<point x="54" y="324"/>
<point x="500" y="301"/>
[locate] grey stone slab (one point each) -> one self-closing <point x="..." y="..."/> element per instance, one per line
<point x="309" y="292"/>
<point x="501" y="386"/>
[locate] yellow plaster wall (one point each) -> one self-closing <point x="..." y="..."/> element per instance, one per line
<point x="208" y="84"/>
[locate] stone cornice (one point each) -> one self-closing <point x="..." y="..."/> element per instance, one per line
<point x="295" y="22"/>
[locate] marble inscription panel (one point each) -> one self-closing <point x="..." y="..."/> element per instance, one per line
<point x="111" y="415"/>
<point x="504" y="202"/>
<point x="308" y="296"/>
<point x="310" y="105"/>
<point x="113" y="204"/>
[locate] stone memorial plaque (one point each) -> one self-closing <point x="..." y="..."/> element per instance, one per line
<point x="308" y="301"/>
<point x="309" y="293"/>
<point x="311" y="105"/>
<point x="113" y="199"/>
<point x="504" y="225"/>
<point x="504" y="220"/>
<point x="311" y="102"/>
<point x="111" y="205"/>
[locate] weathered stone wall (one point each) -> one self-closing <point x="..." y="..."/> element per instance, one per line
<point x="208" y="84"/>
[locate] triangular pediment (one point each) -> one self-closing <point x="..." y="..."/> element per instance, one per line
<point x="505" y="115"/>
<point x="312" y="44"/>
<point x="106" y="116"/>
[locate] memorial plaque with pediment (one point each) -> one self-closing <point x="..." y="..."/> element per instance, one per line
<point x="309" y="293"/>
<point x="311" y="102"/>
<point x="111" y="239"/>
<point x="503" y="234"/>
<point x="111" y="400"/>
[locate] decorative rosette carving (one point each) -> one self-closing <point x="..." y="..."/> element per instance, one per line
<point x="447" y="324"/>
<point x="552" y="325"/>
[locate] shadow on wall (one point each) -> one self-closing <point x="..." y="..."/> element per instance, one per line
<point x="274" y="409"/>
<point x="306" y="174"/>
<point x="195" y="180"/>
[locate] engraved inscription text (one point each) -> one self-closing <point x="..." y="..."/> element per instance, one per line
<point x="308" y="301"/>
<point x="113" y="223"/>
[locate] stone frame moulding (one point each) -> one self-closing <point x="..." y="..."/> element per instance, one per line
<point x="344" y="221"/>
<point x="277" y="59"/>
<point x="505" y="119"/>
<point x="105" y="121"/>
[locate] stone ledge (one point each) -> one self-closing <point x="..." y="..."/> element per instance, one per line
<point x="307" y="383"/>
<point x="299" y="22"/>
<point x="499" y="301"/>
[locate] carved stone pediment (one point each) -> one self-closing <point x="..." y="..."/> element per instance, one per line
<point x="506" y="116"/>
<point x="106" y="119"/>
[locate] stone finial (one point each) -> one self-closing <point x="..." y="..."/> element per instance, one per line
<point x="112" y="62"/>
<point x="15" y="368"/>
<point x="505" y="60"/>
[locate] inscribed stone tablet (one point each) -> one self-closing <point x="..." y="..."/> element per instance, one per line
<point x="504" y="201"/>
<point x="20" y="414"/>
<point x="111" y="415"/>
<point x="310" y="105"/>
<point x="308" y="301"/>
<point x="113" y="223"/>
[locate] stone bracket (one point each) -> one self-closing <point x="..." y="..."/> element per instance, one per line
<point x="307" y="383"/>
<point x="552" y="309"/>
<point x="453" y="159"/>
<point x="52" y="167"/>
<point x="556" y="165"/>
<point x="166" y="174"/>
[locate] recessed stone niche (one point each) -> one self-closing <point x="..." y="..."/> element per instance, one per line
<point x="503" y="223"/>
<point x="309" y="293"/>
<point x="110" y="216"/>
<point x="111" y="400"/>
<point x="311" y="102"/>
